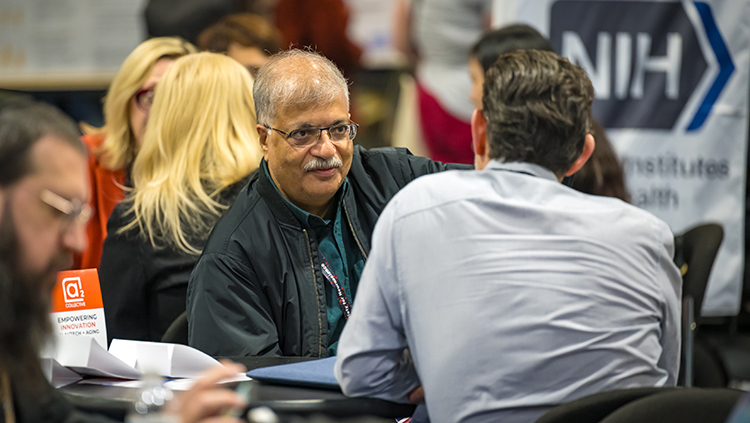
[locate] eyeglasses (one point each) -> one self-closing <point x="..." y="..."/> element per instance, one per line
<point x="144" y="98"/>
<point x="73" y="210"/>
<point x="306" y="137"/>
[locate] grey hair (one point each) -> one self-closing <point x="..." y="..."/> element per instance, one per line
<point x="295" y="78"/>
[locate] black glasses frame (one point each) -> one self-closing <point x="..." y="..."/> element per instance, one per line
<point x="353" y="127"/>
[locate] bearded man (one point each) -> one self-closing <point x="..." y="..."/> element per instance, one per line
<point x="43" y="216"/>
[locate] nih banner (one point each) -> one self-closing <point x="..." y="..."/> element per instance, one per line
<point x="671" y="82"/>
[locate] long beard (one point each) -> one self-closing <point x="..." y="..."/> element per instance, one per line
<point x="24" y="307"/>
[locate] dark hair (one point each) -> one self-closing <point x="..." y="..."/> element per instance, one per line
<point x="23" y="310"/>
<point x="602" y="174"/>
<point x="538" y="109"/>
<point x="24" y="123"/>
<point x="508" y="38"/>
<point x="244" y="29"/>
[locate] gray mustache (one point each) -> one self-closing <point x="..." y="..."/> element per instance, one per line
<point x="318" y="163"/>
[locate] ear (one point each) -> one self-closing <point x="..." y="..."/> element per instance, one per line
<point x="479" y="139"/>
<point x="263" y="138"/>
<point x="588" y="148"/>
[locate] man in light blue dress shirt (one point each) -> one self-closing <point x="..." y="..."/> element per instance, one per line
<point x="499" y="293"/>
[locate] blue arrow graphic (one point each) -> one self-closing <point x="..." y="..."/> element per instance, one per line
<point x="726" y="67"/>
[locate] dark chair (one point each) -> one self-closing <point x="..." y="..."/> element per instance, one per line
<point x="709" y="368"/>
<point x="695" y="252"/>
<point x="177" y="332"/>
<point x="594" y="408"/>
<point x="689" y="405"/>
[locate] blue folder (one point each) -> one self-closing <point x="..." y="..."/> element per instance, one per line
<point x="308" y="374"/>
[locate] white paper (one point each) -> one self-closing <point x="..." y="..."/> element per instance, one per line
<point x="125" y="351"/>
<point x="85" y="356"/>
<point x="154" y="357"/>
<point x="128" y="359"/>
<point x="56" y="374"/>
<point x="169" y="360"/>
<point x="186" y="384"/>
<point x="174" y="384"/>
<point x="189" y="362"/>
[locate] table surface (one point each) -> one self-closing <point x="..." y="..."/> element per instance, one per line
<point x="116" y="401"/>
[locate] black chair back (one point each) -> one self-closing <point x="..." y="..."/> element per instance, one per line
<point x="594" y="408"/>
<point x="690" y="405"/>
<point x="177" y="332"/>
<point x="695" y="252"/>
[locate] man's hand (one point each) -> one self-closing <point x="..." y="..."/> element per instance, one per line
<point x="205" y="400"/>
<point x="416" y="396"/>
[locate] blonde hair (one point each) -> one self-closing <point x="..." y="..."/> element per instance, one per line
<point x="200" y="139"/>
<point x="118" y="149"/>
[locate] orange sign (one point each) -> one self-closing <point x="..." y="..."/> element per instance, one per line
<point x="77" y="290"/>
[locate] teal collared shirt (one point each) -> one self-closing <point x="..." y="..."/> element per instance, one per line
<point x="337" y="244"/>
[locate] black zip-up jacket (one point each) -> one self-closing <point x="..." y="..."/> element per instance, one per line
<point x="257" y="289"/>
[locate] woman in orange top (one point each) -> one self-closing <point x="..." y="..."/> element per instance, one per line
<point x="112" y="148"/>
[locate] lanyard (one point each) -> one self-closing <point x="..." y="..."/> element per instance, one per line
<point x="346" y="306"/>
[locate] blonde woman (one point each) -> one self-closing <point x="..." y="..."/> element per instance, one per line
<point x="199" y="148"/>
<point x="113" y="147"/>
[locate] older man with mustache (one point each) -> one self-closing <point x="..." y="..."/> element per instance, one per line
<point x="280" y="270"/>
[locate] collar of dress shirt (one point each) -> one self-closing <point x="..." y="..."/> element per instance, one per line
<point x="521" y="167"/>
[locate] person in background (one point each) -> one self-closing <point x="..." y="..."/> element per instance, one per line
<point x="248" y="39"/>
<point x="540" y="295"/>
<point x="441" y="33"/>
<point x="602" y="174"/>
<point x="199" y="148"/>
<point x="187" y="18"/>
<point x="319" y="25"/>
<point x="493" y="44"/>
<point x="113" y="147"/>
<point x="43" y="215"/>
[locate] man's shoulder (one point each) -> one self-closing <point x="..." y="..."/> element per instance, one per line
<point x="614" y="221"/>
<point x="379" y="173"/>
<point x="436" y="189"/>
<point x="448" y="187"/>
<point x="618" y="205"/>
<point x="379" y="159"/>
<point x="439" y="182"/>
<point x="388" y="169"/>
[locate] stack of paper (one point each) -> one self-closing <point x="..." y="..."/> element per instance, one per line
<point x="168" y="360"/>
<point x="125" y="360"/>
